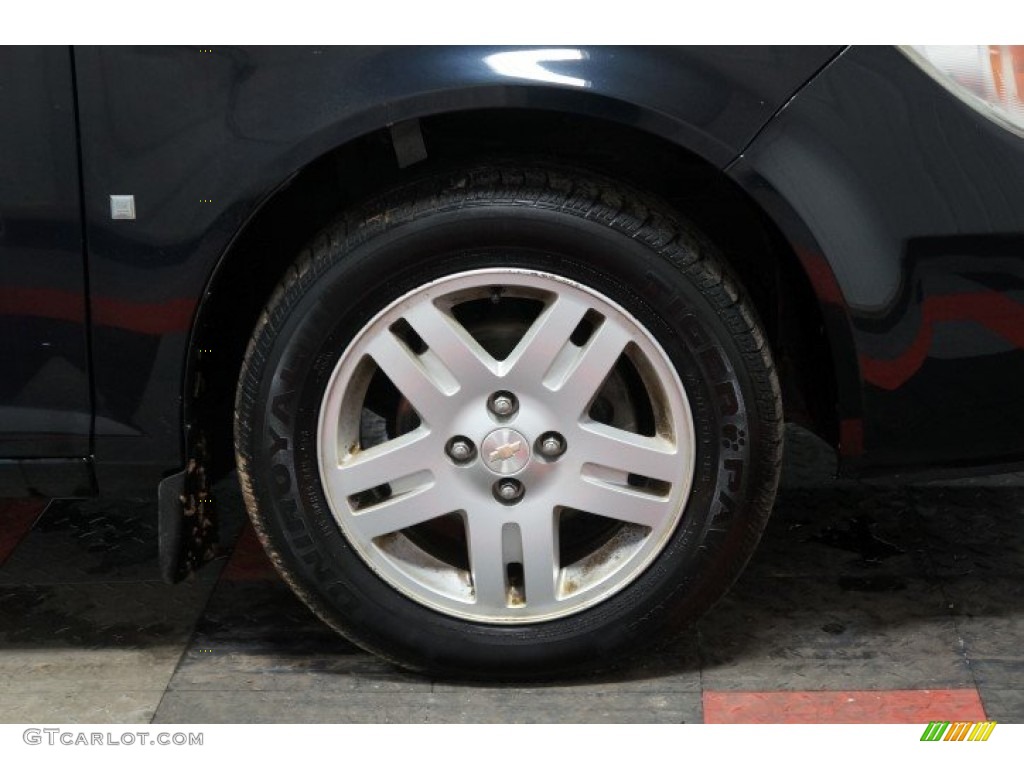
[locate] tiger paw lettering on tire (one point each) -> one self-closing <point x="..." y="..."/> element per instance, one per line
<point x="489" y="425"/>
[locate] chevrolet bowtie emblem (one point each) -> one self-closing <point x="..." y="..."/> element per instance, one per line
<point x="506" y="451"/>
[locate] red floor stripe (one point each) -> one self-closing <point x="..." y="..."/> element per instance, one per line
<point x="842" y="706"/>
<point x="17" y="517"/>
<point x="249" y="562"/>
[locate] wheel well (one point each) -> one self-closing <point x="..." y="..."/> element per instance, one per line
<point x="259" y="256"/>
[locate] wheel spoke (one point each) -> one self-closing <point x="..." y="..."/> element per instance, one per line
<point x="411" y="378"/>
<point x="457" y="350"/>
<point x="404" y="511"/>
<point x="593" y="365"/>
<point x="545" y="339"/>
<point x="540" y="558"/>
<point x="384" y="463"/>
<point x="487" y="562"/>
<point x="619" y="502"/>
<point x="608" y="446"/>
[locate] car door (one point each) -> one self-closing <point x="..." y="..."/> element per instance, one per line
<point x="45" y="407"/>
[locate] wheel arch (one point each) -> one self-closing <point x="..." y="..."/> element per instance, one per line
<point x="790" y="301"/>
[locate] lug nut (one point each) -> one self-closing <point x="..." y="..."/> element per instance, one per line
<point x="503" y="404"/>
<point x="460" y="449"/>
<point x="508" y="490"/>
<point x="551" y="445"/>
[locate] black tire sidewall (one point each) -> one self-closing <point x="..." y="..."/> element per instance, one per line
<point x="674" y="296"/>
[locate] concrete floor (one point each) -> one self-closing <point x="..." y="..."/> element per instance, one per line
<point x="862" y="604"/>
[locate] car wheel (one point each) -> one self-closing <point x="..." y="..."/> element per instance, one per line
<point x="509" y="422"/>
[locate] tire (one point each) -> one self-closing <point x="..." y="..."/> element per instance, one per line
<point x="509" y="423"/>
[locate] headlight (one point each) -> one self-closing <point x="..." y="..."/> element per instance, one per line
<point x="989" y="78"/>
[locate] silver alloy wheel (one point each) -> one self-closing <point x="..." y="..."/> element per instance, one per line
<point x="390" y="478"/>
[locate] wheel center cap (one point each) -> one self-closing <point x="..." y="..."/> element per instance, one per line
<point x="505" y="451"/>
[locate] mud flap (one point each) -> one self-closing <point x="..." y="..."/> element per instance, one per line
<point x="188" y="531"/>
